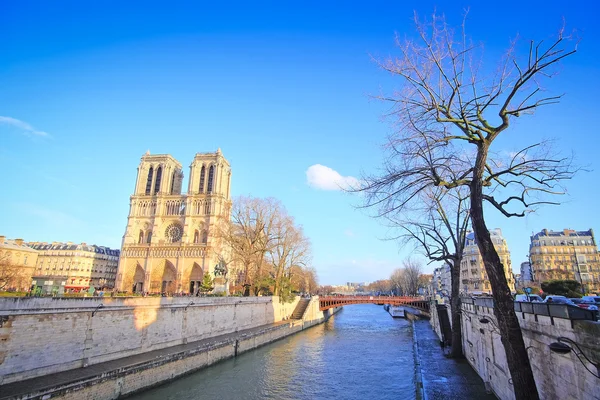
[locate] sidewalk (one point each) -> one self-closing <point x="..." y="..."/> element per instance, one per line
<point x="444" y="378"/>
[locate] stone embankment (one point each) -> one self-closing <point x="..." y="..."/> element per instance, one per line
<point x="107" y="348"/>
<point x="566" y="375"/>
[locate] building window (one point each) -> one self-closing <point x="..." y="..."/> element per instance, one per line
<point x="149" y="181"/>
<point x="202" y="173"/>
<point x="158" y="178"/>
<point x="204" y="237"/>
<point x="196" y="237"/>
<point x="25" y="260"/>
<point x="141" y="237"/>
<point x="149" y="238"/>
<point x="211" y="175"/>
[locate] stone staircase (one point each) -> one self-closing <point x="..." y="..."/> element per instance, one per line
<point x="300" y="309"/>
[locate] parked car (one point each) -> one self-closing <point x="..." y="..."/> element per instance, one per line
<point x="595" y="299"/>
<point x="587" y="304"/>
<point x="531" y="298"/>
<point x="554" y="299"/>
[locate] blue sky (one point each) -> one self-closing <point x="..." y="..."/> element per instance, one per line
<point x="87" y="88"/>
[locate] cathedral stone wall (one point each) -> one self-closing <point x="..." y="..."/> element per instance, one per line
<point x="171" y="238"/>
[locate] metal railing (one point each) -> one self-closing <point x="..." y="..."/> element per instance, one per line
<point x="565" y="311"/>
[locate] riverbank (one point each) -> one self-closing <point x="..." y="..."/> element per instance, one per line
<point x="441" y="377"/>
<point x="128" y="375"/>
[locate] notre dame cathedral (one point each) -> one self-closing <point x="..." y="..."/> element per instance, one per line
<point x="170" y="241"/>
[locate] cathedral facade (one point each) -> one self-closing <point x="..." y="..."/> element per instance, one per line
<point x="170" y="240"/>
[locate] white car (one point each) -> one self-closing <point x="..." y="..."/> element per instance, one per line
<point x="532" y="298"/>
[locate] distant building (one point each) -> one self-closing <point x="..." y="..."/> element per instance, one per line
<point x="70" y="267"/>
<point x="566" y="254"/>
<point x="442" y="280"/>
<point x="526" y="276"/>
<point x="473" y="276"/>
<point x="17" y="264"/>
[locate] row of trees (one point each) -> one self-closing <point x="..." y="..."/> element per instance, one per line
<point x="443" y="163"/>
<point x="265" y="250"/>
<point x="405" y="281"/>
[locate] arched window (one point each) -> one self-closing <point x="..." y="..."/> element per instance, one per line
<point x="202" y="173"/>
<point x="141" y="238"/>
<point x="211" y="175"/>
<point x="228" y="183"/>
<point x="196" y="238"/>
<point x="149" y="238"/>
<point x="204" y="237"/>
<point x="158" y="178"/>
<point x="173" y="183"/>
<point x="149" y="181"/>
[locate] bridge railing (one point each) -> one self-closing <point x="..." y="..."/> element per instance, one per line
<point x="327" y="302"/>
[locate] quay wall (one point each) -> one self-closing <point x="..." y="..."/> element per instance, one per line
<point x="557" y="376"/>
<point x="40" y="336"/>
<point x="129" y="378"/>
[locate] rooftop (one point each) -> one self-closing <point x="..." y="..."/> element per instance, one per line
<point x="43" y="246"/>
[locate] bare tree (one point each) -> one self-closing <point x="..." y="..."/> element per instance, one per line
<point x="247" y="234"/>
<point x="397" y="279"/>
<point x="290" y="248"/>
<point x="264" y="243"/>
<point x="381" y="286"/>
<point x="11" y="274"/>
<point x="412" y="270"/>
<point x="446" y="106"/>
<point x="437" y="225"/>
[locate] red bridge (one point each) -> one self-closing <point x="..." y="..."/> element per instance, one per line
<point x="327" y="302"/>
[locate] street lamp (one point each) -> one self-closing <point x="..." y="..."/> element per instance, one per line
<point x="561" y="347"/>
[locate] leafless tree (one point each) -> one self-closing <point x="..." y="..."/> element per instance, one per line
<point x="11" y="274"/>
<point x="412" y="270"/>
<point x="397" y="279"/>
<point x="263" y="245"/>
<point x="437" y="226"/>
<point x="382" y="286"/>
<point x="405" y="281"/>
<point x="448" y="107"/>
<point x="248" y="236"/>
<point x="304" y="279"/>
<point x="290" y="248"/>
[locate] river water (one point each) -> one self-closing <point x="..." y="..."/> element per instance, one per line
<point x="360" y="353"/>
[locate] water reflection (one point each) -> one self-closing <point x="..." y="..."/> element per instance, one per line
<point x="360" y="353"/>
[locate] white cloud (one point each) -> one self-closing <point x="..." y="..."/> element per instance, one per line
<point x="22" y="125"/>
<point x="321" y="177"/>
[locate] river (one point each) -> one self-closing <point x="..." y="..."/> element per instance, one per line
<point x="360" y="353"/>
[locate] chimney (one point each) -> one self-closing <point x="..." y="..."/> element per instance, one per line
<point x="19" y="242"/>
<point x="2" y="238"/>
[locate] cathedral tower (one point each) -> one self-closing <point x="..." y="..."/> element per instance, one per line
<point x="169" y="241"/>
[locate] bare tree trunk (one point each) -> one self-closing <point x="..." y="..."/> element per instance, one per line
<point x="456" y="350"/>
<point x="517" y="358"/>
